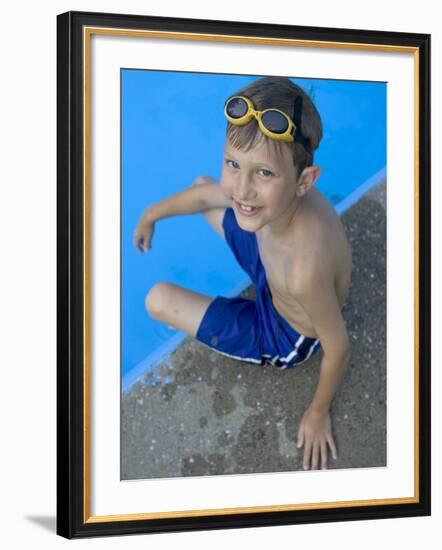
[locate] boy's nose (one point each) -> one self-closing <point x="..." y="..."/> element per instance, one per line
<point x="244" y="189"/>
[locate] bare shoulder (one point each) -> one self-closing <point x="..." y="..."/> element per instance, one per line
<point x="323" y="258"/>
<point x="309" y="271"/>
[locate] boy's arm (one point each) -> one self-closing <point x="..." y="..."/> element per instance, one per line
<point x="317" y="296"/>
<point x="207" y="194"/>
<point x="194" y="199"/>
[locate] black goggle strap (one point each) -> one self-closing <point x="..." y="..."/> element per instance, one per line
<point x="298" y="135"/>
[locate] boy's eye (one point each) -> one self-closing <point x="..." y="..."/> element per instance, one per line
<point x="264" y="172"/>
<point x="232" y="164"/>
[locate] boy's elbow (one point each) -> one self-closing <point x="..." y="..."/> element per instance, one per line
<point x="340" y="354"/>
<point x="345" y="351"/>
<point x="346" y="355"/>
<point x="200" y="187"/>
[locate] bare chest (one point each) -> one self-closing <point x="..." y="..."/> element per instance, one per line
<point x="277" y="268"/>
<point x="278" y="265"/>
<point x="281" y="262"/>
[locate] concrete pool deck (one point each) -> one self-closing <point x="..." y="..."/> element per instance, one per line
<point x="218" y="416"/>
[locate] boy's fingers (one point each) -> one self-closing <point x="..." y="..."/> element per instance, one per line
<point x="324" y="455"/>
<point x="307" y="453"/>
<point x="315" y="457"/>
<point x="332" y="446"/>
<point x="137" y="241"/>
<point x="300" y="439"/>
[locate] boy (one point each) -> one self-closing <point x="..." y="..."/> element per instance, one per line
<point x="285" y="235"/>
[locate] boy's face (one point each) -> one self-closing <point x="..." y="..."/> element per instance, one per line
<point x="262" y="184"/>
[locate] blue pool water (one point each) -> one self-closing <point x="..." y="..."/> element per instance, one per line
<point x="173" y="130"/>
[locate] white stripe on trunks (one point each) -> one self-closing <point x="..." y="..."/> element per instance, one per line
<point x="310" y="351"/>
<point x="312" y="347"/>
<point x="250" y="359"/>
<point x="292" y="354"/>
<point x="273" y="359"/>
<point x="270" y="359"/>
<point x="295" y="351"/>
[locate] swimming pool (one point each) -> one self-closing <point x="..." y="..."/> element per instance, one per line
<point x="172" y="130"/>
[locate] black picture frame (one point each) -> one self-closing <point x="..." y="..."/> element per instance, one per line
<point x="73" y="515"/>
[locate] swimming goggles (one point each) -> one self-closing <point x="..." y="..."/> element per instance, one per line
<point x="273" y="123"/>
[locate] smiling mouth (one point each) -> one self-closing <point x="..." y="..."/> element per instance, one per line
<point x="247" y="209"/>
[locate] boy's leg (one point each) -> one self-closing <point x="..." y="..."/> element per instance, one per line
<point x="177" y="306"/>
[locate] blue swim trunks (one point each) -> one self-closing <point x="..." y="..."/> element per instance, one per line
<point x="251" y="331"/>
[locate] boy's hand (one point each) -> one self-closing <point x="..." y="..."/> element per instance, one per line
<point x="314" y="435"/>
<point x="143" y="233"/>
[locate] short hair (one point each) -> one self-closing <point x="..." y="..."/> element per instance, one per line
<point x="279" y="93"/>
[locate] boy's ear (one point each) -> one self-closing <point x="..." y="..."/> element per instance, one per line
<point x="307" y="178"/>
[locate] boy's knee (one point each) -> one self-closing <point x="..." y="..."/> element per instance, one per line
<point x="156" y="299"/>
